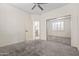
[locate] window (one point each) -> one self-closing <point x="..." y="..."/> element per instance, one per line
<point x="58" y="25"/>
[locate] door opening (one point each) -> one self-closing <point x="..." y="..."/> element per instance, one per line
<point x="36" y="30"/>
<point x="59" y="29"/>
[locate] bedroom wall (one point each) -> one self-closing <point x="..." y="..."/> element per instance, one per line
<point x="70" y="9"/>
<point x="29" y="27"/>
<point x="12" y="25"/>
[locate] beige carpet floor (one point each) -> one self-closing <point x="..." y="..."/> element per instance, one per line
<point x="39" y="48"/>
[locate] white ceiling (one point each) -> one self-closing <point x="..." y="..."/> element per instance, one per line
<point x="27" y="7"/>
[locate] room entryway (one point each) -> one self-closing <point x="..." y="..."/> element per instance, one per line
<point x="59" y="29"/>
<point x="36" y="30"/>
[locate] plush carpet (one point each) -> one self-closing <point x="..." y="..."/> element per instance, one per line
<point x="39" y="48"/>
<point x="63" y="40"/>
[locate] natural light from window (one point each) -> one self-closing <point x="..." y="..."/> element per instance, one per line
<point x="58" y="26"/>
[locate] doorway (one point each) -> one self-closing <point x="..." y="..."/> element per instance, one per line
<point x="59" y="29"/>
<point x="36" y="30"/>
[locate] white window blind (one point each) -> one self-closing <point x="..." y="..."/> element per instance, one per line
<point x="57" y="26"/>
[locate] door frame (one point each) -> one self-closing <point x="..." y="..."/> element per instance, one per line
<point x="56" y="18"/>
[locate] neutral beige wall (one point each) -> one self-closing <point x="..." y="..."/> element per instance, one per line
<point x="75" y="27"/>
<point x="70" y="9"/>
<point x="29" y="27"/>
<point x="12" y="27"/>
